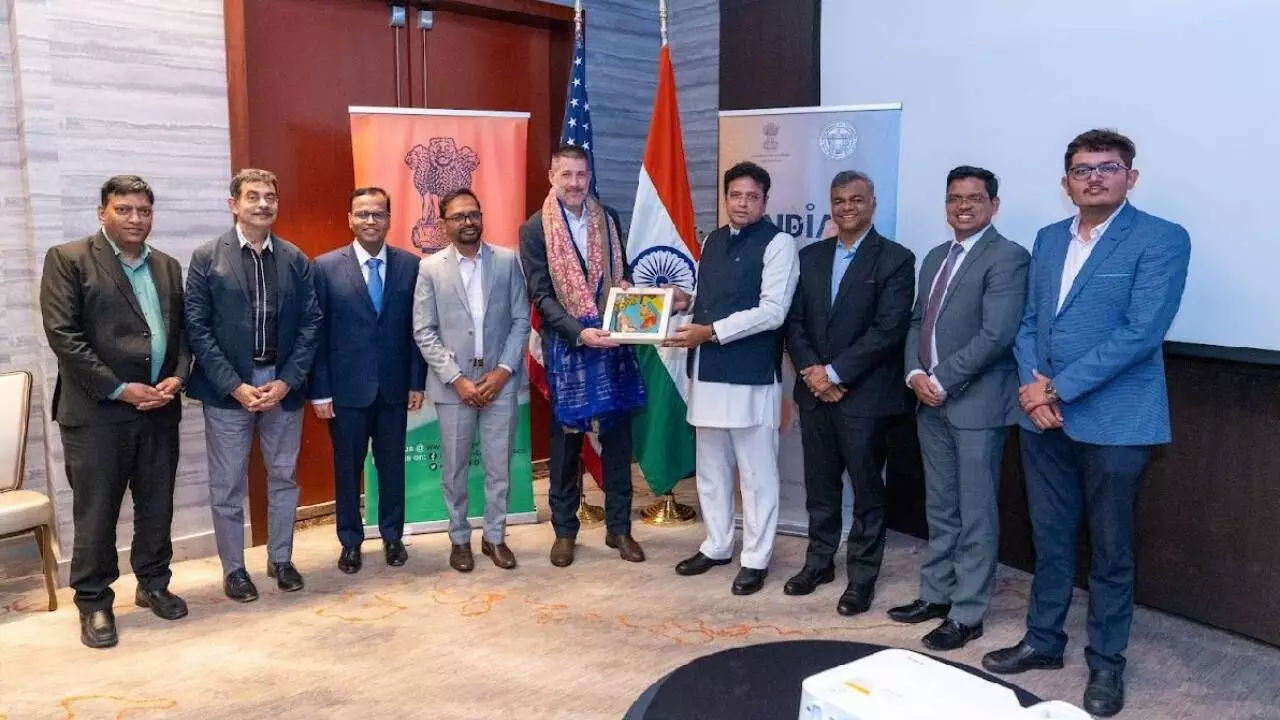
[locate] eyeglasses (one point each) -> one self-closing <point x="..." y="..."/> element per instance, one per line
<point x="754" y="197"/>
<point x="378" y="215"/>
<point x="1105" y="170"/>
<point x="966" y="199"/>
<point x="459" y="218"/>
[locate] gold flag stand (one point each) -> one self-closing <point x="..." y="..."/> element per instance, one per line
<point x="588" y="515"/>
<point x="666" y="512"/>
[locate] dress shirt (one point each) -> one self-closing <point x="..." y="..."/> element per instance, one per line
<point x="144" y="289"/>
<point x="264" y="298"/>
<point x="472" y="272"/>
<point x="578" y="229"/>
<point x="1079" y="250"/>
<point x="839" y="266"/>
<point x="965" y="246"/>
<point x="362" y="259"/>
<point x="724" y="405"/>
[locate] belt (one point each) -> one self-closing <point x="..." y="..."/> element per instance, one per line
<point x="264" y="363"/>
<point x="477" y="362"/>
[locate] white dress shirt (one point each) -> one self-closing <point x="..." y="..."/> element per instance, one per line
<point x="724" y="405"/>
<point x="578" y="229"/>
<point x="965" y="246"/>
<point x="1079" y="250"/>
<point x="362" y="257"/>
<point x="473" y="284"/>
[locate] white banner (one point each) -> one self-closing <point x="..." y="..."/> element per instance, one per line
<point x="803" y="149"/>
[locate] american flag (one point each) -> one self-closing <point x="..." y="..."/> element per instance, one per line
<point x="577" y="111"/>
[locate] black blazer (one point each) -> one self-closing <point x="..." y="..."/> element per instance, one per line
<point x="364" y="354"/>
<point x="97" y="331"/>
<point x="862" y="333"/>
<point x="220" y="326"/>
<point x="537" y="277"/>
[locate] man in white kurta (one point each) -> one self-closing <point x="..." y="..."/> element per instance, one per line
<point x="735" y="393"/>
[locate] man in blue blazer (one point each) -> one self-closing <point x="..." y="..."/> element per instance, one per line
<point x="368" y="374"/>
<point x="1103" y="289"/>
<point x="253" y="324"/>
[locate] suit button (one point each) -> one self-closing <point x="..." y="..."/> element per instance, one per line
<point x="147" y="358"/>
<point x="146" y="333"/>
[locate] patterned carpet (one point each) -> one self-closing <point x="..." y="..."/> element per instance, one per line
<point x="583" y="642"/>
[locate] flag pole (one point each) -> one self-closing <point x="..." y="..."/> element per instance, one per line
<point x="666" y="511"/>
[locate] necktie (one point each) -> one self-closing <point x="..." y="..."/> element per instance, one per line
<point x="375" y="284"/>
<point x="935" y="304"/>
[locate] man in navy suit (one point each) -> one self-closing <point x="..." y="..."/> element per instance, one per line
<point x="368" y="374"/>
<point x="1103" y="288"/>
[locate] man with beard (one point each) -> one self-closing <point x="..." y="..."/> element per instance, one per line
<point x="253" y="323"/>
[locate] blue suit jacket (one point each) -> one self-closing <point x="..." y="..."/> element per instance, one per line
<point x="1103" y="347"/>
<point x="220" y="326"/>
<point x="365" y="355"/>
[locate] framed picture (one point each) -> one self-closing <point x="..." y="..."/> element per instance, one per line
<point x="638" y="315"/>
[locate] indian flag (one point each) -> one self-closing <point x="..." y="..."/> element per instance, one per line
<point x="663" y="250"/>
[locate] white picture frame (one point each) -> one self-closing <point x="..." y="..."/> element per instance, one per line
<point x="639" y="315"/>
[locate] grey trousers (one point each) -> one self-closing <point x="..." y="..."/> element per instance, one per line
<point x="228" y="434"/>
<point x="497" y="423"/>
<point x="962" y="477"/>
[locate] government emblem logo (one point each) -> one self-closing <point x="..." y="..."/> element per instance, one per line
<point x="770" y="137"/>
<point x="838" y="140"/>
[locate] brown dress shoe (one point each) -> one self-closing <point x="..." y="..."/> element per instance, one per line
<point x="562" y="552"/>
<point x="628" y="549"/>
<point x="461" y="559"/>
<point x="500" y="554"/>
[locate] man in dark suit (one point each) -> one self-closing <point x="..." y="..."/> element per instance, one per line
<point x="112" y="309"/>
<point x="845" y="334"/>
<point x="254" y="324"/>
<point x="959" y="361"/>
<point x="368" y="374"/>
<point x="585" y="253"/>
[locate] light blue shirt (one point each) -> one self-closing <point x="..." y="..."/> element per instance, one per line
<point x="144" y="289"/>
<point x="843" y="259"/>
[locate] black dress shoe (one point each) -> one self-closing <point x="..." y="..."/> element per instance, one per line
<point x="699" y="564"/>
<point x="808" y="580"/>
<point x="1019" y="658"/>
<point x="163" y="603"/>
<point x="239" y="587"/>
<point x="1104" y="695"/>
<point x="98" y="629"/>
<point x="395" y="552"/>
<point x="749" y="581"/>
<point x="918" y="612"/>
<point x="287" y="576"/>
<point x="855" y="600"/>
<point x="951" y="635"/>
<point x="350" y="561"/>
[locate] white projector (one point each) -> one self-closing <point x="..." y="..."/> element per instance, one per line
<point x="903" y="685"/>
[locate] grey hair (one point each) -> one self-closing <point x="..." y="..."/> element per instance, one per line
<point x="844" y="177"/>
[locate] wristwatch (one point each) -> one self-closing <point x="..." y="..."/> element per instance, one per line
<point x="714" y="338"/>
<point x="1051" y="392"/>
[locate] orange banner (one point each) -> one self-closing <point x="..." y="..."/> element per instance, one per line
<point x="419" y="156"/>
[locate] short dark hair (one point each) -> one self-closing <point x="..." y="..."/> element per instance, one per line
<point x="370" y="190"/>
<point x="450" y="197"/>
<point x="1101" y="141"/>
<point x="844" y="177"/>
<point x="987" y="177"/>
<point x="126" y="185"/>
<point x="748" y="170"/>
<point x="249" y="175"/>
<point x="569" y="151"/>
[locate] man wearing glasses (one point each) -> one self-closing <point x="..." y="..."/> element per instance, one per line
<point x="471" y="323"/>
<point x="1103" y="288"/>
<point x="367" y="375"/>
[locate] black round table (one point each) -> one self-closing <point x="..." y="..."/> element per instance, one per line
<point x="758" y="681"/>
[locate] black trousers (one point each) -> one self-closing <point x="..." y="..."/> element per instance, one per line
<point x="350" y="431"/>
<point x="103" y="461"/>
<point x="834" y="444"/>
<point x="615" y="459"/>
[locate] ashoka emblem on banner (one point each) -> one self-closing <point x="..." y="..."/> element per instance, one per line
<point x="664" y="265"/>
<point x="838" y="140"/>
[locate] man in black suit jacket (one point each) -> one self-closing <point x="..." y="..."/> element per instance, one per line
<point x="112" y="308"/>
<point x="845" y="335"/>
<point x="570" y="176"/>
<point x="254" y="324"/>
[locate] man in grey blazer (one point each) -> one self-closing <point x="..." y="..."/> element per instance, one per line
<point x="960" y="365"/>
<point x="471" y="322"/>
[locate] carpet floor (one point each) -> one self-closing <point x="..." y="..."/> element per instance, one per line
<point x="423" y="641"/>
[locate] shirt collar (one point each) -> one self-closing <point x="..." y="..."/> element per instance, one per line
<point x="142" y="256"/>
<point x="363" y="256"/>
<point x="968" y="242"/>
<point x="856" y="243"/>
<point x="1101" y="229"/>
<point x="245" y="241"/>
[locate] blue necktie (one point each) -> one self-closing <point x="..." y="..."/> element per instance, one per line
<point x="375" y="284"/>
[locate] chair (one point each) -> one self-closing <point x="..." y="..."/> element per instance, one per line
<point x="22" y="511"/>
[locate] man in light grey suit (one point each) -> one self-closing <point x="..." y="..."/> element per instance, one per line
<point x="471" y="322"/>
<point x="960" y="364"/>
